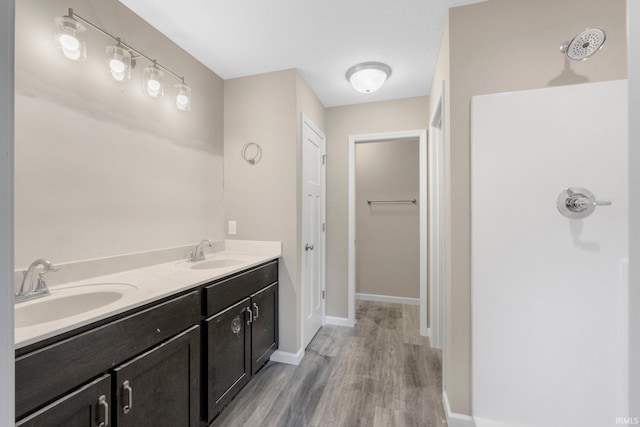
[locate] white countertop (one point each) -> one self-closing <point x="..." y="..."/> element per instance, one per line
<point x="148" y="284"/>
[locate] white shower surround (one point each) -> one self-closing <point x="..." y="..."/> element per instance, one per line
<point x="549" y="294"/>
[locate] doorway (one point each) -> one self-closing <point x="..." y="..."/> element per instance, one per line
<point x="387" y="238"/>
<point x="421" y="202"/>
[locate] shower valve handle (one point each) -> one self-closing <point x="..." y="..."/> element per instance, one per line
<point x="578" y="203"/>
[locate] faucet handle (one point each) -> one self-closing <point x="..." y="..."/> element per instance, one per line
<point x="50" y="270"/>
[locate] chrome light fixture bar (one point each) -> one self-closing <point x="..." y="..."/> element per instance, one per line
<point x="121" y="58"/>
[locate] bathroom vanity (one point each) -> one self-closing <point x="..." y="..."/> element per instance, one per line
<point x="173" y="361"/>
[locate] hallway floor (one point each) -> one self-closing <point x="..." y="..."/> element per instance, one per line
<point x="380" y="373"/>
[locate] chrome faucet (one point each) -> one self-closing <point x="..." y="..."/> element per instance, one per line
<point x="197" y="254"/>
<point x="27" y="289"/>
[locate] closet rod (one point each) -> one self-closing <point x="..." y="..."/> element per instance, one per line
<point x="392" y="201"/>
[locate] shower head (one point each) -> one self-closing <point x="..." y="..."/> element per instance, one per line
<point x="585" y="44"/>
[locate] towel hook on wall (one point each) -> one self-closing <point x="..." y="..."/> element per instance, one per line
<point x="251" y="153"/>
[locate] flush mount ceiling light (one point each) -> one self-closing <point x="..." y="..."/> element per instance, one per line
<point x="121" y="58"/>
<point x="369" y="76"/>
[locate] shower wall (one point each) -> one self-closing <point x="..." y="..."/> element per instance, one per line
<point x="549" y="294"/>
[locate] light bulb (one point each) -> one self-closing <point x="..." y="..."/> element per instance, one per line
<point x="119" y="62"/>
<point x="153" y="85"/>
<point x="152" y="81"/>
<point x="116" y="66"/>
<point x="69" y="42"/>
<point x="72" y="54"/>
<point x="183" y="97"/>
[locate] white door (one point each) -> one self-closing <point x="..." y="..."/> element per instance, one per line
<point x="313" y="146"/>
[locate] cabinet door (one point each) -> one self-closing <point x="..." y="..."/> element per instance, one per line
<point x="264" y="329"/>
<point x="161" y="387"/>
<point x="86" y="407"/>
<point x="228" y="355"/>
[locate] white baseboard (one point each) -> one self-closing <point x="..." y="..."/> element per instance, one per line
<point x="453" y="419"/>
<point x="387" y="298"/>
<point x="339" y="321"/>
<point x="288" y="358"/>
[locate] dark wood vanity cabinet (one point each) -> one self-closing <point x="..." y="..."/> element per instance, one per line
<point x="156" y="349"/>
<point x="175" y="363"/>
<point x="240" y="337"/>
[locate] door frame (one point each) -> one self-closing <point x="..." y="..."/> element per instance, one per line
<point x="421" y="135"/>
<point x="437" y="219"/>
<point x="305" y="120"/>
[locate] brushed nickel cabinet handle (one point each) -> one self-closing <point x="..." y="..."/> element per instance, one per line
<point x="250" y="321"/>
<point x="128" y="403"/>
<point x="103" y="419"/>
<point x="255" y="316"/>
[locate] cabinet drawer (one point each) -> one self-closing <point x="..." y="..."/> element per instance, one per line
<point x="47" y="373"/>
<point x="88" y="406"/>
<point x="227" y="292"/>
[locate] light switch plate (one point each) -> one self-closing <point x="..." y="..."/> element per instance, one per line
<point x="232" y="227"/>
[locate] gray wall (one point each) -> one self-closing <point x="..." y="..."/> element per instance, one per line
<point x="112" y="170"/>
<point x="6" y="213"/>
<point x="486" y="55"/>
<point x="375" y="117"/>
<point x="387" y="248"/>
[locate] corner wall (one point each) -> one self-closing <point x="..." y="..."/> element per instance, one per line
<point x="341" y="122"/>
<point x="263" y="198"/>
<point x="500" y="46"/>
<point x="101" y="168"/>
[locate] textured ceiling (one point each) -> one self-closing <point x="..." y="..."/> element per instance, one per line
<point x="321" y="38"/>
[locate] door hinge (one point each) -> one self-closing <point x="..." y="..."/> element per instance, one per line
<point x="323" y="294"/>
<point x="324" y="226"/>
<point x="324" y="159"/>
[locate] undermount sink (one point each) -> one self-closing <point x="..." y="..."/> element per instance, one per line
<point x="67" y="302"/>
<point x="217" y="263"/>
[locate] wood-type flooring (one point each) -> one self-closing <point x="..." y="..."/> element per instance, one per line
<point x="381" y="373"/>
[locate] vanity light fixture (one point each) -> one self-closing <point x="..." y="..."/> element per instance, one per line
<point x="70" y="37"/>
<point x="368" y="77"/>
<point x="183" y="96"/>
<point x="121" y="58"/>
<point x="119" y="62"/>
<point x="153" y="81"/>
